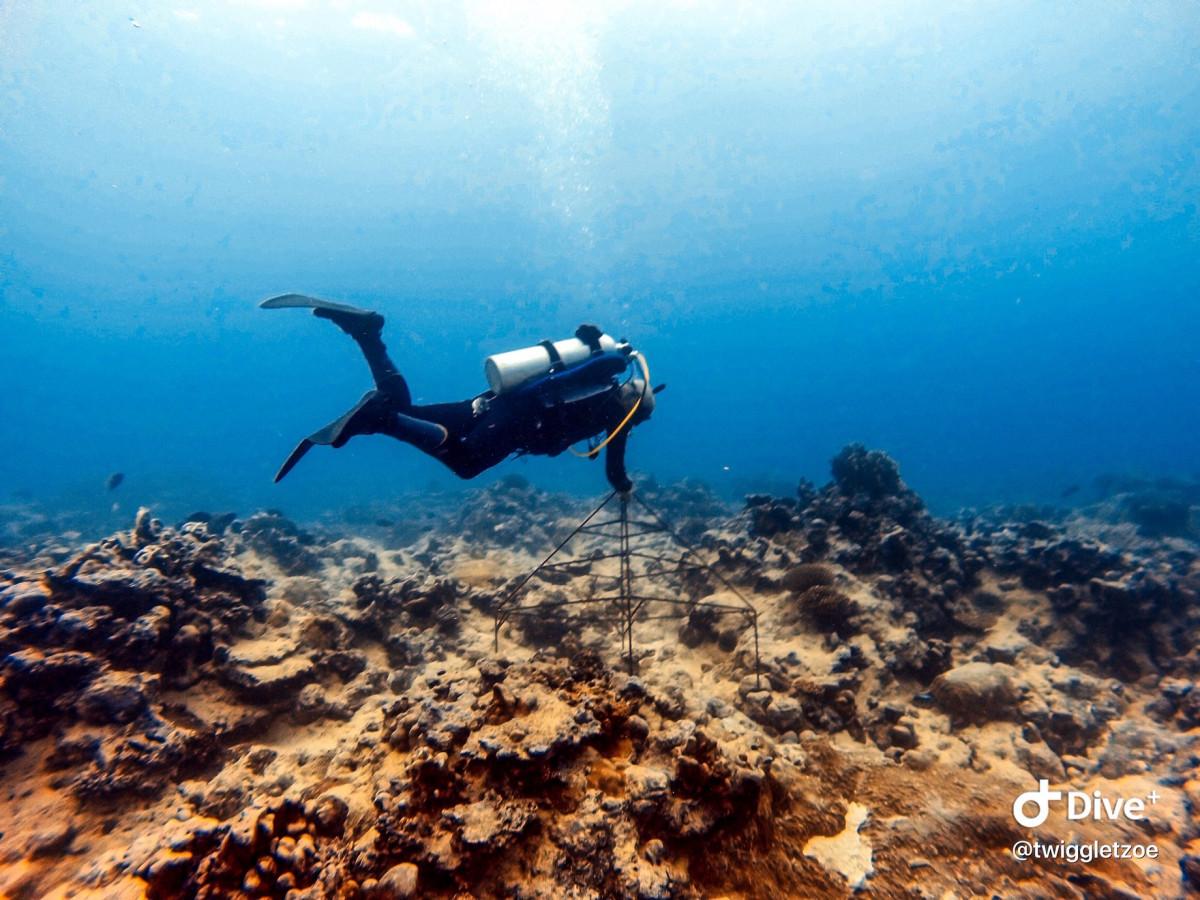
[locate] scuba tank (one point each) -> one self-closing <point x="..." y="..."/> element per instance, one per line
<point x="506" y="371"/>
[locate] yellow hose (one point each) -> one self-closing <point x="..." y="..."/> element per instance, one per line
<point x="591" y="454"/>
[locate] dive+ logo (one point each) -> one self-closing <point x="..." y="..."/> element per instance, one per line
<point x="1080" y="805"/>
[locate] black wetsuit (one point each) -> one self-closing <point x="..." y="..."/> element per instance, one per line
<point x="521" y="424"/>
<point x="545" y="416"/>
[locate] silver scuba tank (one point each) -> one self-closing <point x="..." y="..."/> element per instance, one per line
<point x="506" y="371"/>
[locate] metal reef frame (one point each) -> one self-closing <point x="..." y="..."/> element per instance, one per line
<point x="628" y="602"/>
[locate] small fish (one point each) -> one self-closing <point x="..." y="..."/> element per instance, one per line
<point x="114" y="480"/>
<point x="1070" y="491"/>
<point x="134" y="22"/>
<point x="384" y="523"/>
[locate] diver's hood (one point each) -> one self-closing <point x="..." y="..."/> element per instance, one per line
<point x="634" y="388"/>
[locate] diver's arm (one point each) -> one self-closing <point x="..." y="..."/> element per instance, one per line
<point x="614" y="463"/>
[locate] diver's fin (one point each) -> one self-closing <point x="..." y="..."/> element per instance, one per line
<point x="338" y="431"/>
<point x="375" y="413"/>
<point x="300" y="301"/>
<point x="360" y="324"/>
<point x="367" y="416"/>
<point x="296" y="455"/>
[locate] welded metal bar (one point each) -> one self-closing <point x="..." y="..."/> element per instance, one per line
<point x="720" y="609"/>
<point x="696" y="554"/>
<point x="726" y="607"/>
<point x="567" y="563"/>
<point x="619" y="599"/>
<point x="552" y="604"/>
<point x="641" y="554"/>
<point x="632" y="534"/>
<point x="499" y="615"/>
<point x="666" y="573"/>
<point x="633" y="554"/>
<point x="628" y="604"/>
<point x="727" y="611"/>
<point x="626" y="581"/>
<point x="636" y="523"/>
<point x="757" y="664"/>
<point x="749" y="606"/>
<point x="596" y="525"/>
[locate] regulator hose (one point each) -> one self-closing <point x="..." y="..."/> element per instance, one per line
<point x="591" y="454"/>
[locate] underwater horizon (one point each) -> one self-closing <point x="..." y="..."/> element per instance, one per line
<point x="964" y="235"/>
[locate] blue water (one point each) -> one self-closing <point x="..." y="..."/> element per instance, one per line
<point x="968" y="235"/>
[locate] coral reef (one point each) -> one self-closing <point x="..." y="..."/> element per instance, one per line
<point x="251" y="708"/>
<point x="98" y="639"/>
<point x="1164" y="507"/>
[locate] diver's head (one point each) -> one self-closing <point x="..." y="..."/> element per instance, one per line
<point x="638" y="388"/>
<point x="630" y="392"/>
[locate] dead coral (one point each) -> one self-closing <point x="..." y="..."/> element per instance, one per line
<point x="978" y="692"/>
<point x="525" y="774"/>
<point x="857" y="470"/>
<point x="513" y="514"/>
<point x="282" y="541"/>
<point x="799" y="578"/>
<point x="288" y="846"/>
<point x="1131" y="612"/>
<point x="463" y="773"/>
<point x="414" y="600"/>
<point x="830" y="608"/>
<point x="871" y="524"/>
<point x="83" y="643"/>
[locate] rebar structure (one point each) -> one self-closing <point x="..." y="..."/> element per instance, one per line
<point x="630" y="602"/>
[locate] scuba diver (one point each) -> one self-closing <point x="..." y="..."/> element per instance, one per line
<point x="541" y="400"/>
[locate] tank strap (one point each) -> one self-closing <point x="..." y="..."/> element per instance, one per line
<point x="556" y="360"/>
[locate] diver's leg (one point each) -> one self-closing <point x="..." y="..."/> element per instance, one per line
<point x="474" y="441"/>
<point x="422" y="434"/>
<point x="366" y="328"/>
<point x="384" y="410"/>
<point x="375" y="413"/>
<point x="367" y="332"/>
